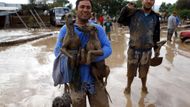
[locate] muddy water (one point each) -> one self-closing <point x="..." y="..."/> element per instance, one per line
<point x="25" y="75"/>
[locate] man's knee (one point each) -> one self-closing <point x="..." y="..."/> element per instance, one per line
<point x="143" y="74"/>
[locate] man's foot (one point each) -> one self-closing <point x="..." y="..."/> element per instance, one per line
<point x="127" y="90"/>
<point x="144" y="90"/>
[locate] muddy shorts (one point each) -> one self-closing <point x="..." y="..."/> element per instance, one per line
<point x="138" y="60"/>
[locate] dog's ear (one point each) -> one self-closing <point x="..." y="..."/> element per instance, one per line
<point x="63" y="17"/>
<point x="69" y="16"/>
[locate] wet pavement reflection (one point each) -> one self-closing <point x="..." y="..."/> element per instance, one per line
<point x="25" y="75"/>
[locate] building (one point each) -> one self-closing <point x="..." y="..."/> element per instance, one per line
<point x="5" y="11"/>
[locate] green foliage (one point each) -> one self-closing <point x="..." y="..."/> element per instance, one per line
<point x="168" y="8"/>
<point x="108" y="7"/>
<point x="59" y="3"/>
<point x="32" y="23"/>
<point x="41" y="7"/>
<point x="184" y="13"/>
<point x="138" y="3"/>
<point x="163" y="7"/>
<point x="183" y="4"/>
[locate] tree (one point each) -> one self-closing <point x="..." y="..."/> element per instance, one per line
<point x="183" y="7"/>
<point x="184" y="14"/>
<point x="59" y="3"/>
<point x="167" y="8"/>
<point x="183" y="4"/>
<point x="108" y="7"/>
<point x="139" y="3"/>
<point x="163" y="7"/>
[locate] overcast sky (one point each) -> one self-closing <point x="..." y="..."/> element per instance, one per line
<point x="15" y="1"/>
<point x="158" y="2"/>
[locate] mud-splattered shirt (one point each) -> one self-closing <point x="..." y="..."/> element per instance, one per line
<point x="144" y="28"/>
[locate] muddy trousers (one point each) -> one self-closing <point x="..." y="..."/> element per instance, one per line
<point x="170" y="33"/>
<point x="99" y="99"/>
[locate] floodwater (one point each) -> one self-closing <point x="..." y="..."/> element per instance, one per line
<point x="25" y="75"/>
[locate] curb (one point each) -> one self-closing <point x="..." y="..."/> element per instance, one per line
<point x="20" y="41"/>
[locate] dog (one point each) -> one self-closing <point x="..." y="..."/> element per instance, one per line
<point x="71" y="42"/>
<point x="62" y="101"/>
<point x="93" y="49"/>
<point x="71" y="48"/>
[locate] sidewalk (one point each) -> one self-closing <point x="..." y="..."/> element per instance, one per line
<point x="9" y="37"/>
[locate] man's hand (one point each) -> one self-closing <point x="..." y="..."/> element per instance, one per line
<point x="156" y="53"/>
<point x="159" y="45"/>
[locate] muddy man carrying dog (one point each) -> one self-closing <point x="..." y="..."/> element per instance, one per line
<point x="88" y="84"/>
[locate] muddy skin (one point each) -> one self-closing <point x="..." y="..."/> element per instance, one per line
<point x="93" y="49"/>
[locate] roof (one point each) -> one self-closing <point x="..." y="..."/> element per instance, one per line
<point x="8" y="8"/>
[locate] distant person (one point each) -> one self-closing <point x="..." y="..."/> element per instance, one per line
<point x="101" y="20"/>
<point x="144" y="27"/>
<point x="108" y="27"/>
<point x="172" y="26"/>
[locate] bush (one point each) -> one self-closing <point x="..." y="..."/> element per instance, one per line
<point x="184" y="14"/>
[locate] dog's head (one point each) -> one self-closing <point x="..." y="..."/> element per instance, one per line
<point x="67" y="98"/>
<point x="58" y="102"/>
<point x="89" y="29"/>
<point x="92" y="30"/>
<point x="69" y="19"/>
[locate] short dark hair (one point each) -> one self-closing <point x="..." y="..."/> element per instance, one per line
<point x="174" y="12"/>
<point x="78" y="1"/>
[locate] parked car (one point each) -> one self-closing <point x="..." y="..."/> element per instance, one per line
<point x="57" y="14"/>
<point x="184" y="35"/>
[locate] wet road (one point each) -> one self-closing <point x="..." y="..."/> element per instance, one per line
<point x="25" y="76"/>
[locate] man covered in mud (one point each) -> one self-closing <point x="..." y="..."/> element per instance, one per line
<point x="144" y="29"/>
<point x="96" y="93"/>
